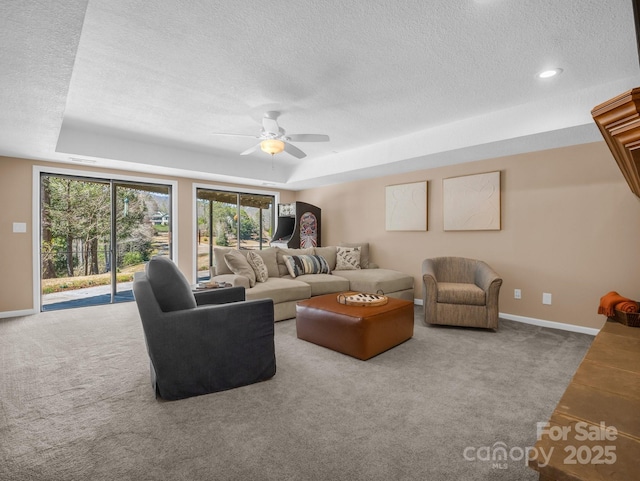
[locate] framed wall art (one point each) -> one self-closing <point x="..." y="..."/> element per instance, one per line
<point x="472" y="202"/>
<point x="406" y="206"/>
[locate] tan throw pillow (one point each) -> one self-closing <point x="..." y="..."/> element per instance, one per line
<point x="239" y="265"/>
<point x="218" y="260"/>
<point x="347" y="258"/>
<point x="258" y="266"/>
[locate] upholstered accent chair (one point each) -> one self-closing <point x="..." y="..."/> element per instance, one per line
<point x="460" y="292"/>
<point x="201" y="342"/>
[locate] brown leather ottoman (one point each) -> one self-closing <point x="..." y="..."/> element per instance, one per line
<point x="361" y="332"/>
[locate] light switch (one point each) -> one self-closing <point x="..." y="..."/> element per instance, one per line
<point x="20" y="227"/>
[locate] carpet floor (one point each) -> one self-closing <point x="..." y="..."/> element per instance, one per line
<point x="76" y="404"/>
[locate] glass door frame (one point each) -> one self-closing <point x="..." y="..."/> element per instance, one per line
<point x="236" y="190"/>
<point x="113" y="251"/>
<point x="93" y="175"/>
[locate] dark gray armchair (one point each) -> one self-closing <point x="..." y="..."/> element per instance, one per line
<point x="201" y="342"/>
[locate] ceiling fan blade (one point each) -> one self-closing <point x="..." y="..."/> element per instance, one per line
<point x="235" y="135"/>
<point x="251" y="150"/>
<point x="293" y="150"/>
<point x="308" y="138"/>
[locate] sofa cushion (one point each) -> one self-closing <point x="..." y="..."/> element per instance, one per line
<point x="233" y="280"/>
<point x="258" y="266"/>
<point x="238" y="264"/>
<point x="376" y="280"/>
<point x="364" y="252"/>
<point x="460" y="293"/>
<point x="270" y="258"/>
<point x="280" y="290"/>
<point x="347" y="258"/>
<point x="282" y="267"/>
<point x="324" y="283"/>
<point x="308" y="264"/>
<point x="170" y="288"/>
<point x="219" y="262"/>
<point x="329" y="253"/>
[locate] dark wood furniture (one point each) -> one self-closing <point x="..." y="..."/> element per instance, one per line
<point x="602" y="403"/>
<point x="619" y="122"/>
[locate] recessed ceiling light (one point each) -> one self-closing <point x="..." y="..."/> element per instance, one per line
<point x="550" y="73"/>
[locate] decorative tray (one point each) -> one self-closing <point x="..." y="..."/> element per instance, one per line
<point x="362" y="299"/>
<point x="211" y="285"/>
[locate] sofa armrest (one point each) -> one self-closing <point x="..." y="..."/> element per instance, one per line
<point x="485" y="276"/>
<point x="220" y="296"/>
<point x="490" y="282"/>
<point x="429" y="290"/>
<point x="233" y="279"/>
<point x="429" y="270"/>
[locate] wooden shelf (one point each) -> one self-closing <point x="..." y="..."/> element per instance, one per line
<point x="605" y="389"/>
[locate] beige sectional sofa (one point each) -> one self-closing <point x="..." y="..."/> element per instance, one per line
<point x="286" y="290"/>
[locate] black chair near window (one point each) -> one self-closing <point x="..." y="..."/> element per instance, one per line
<point x="201" y="342"/>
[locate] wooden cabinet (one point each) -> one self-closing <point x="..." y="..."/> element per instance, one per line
<point x="619" y="122"/>
<point x="594" y="432"/>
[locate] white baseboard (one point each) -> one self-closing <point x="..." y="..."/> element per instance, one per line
<point x="553" y="325"/>
<point x="24" y="312"/>
<point x="539" y="322"/>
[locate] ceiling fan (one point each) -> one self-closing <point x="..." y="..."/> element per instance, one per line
<point x="274" y="139"/>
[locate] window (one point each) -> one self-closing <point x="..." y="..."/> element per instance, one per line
<point x="231" y="219"/>
<point x="95" y="233"/>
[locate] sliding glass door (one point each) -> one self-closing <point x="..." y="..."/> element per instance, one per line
<point x="231" y="219"/>
<point x="141" y="227"/>
<point x="95" y="233"/>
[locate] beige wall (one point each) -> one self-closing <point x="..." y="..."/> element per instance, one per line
<point x="16" y="250"/>
<point x="570" y="227"/>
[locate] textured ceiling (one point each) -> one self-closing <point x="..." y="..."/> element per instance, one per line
<point x="398" y="86"/>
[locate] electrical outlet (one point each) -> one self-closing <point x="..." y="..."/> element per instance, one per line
<point x="517" y="294"/>
<point x="546" y="298"/>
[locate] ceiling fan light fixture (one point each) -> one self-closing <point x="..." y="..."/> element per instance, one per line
<point x="272" y="146"/>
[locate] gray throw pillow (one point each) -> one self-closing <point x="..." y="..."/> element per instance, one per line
<point x="170" y="288"/>
<point x="239" y="265"/>
<point x="218" y="260"/>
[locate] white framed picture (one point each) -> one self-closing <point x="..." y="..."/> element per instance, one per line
<point x="406" y="206"/>
<point x="472" y="202"/>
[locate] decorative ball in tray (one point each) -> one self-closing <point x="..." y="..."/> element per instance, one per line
<point x="362" y="299"/>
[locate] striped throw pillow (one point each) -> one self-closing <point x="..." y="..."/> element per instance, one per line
<point x="306" y="264"/>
